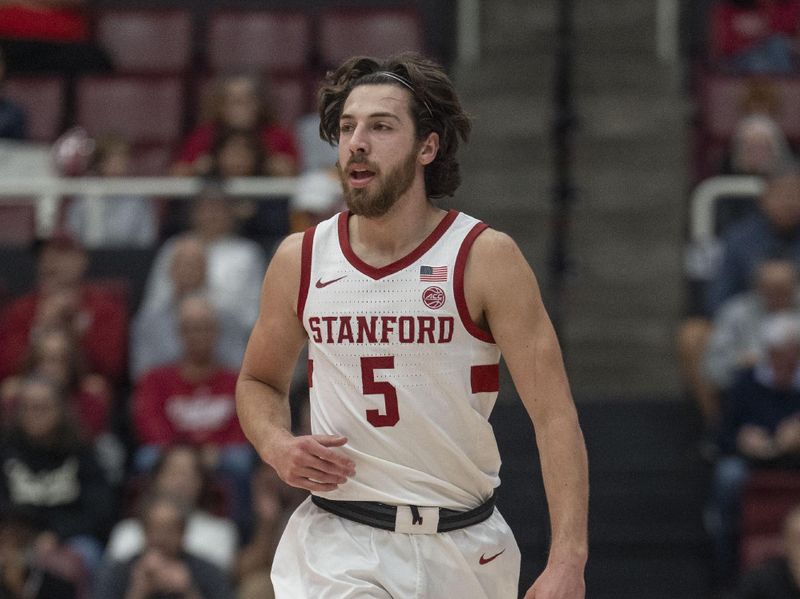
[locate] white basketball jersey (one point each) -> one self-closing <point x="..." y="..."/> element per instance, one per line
<point x="398" y="367"/>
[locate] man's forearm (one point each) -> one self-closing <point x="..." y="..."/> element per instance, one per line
<point x="566" y="479"/>
<point x="263" y="414"/>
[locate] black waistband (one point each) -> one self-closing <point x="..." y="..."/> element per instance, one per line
<point x="381" y="515"/>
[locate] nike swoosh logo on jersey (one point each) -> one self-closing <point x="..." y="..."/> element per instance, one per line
<point x="486" y="560"/>
<point x="320" y="284"/>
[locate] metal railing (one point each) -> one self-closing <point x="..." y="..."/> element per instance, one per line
<point x="47" y="192"/>
<point x="707" y="193"/>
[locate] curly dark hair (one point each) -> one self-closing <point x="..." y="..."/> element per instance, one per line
<point x="435" y="107"/>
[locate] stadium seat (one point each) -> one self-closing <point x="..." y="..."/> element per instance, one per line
<point x="146" y="41"/>
<point x="346" y="32"/>
<point x="142" y="109"/>
<point x="266" y="41"/>
<point x="17" y="223"/>
<point x="43" y="101"/>
<point x="768" y="497"/>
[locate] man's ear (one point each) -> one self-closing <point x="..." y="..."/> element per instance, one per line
<point x="429" y="148"/>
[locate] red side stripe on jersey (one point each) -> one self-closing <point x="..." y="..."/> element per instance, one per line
<point x="458" y="285"/>
<point x="485" y="378"/>
<point x="305" y="271"/>
<point x="405" y="261"/>
<point x="310" y="372"/>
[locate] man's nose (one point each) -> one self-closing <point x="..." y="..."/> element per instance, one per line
<point x="358" y="141"/>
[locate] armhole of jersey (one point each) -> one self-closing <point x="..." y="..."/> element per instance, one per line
<point x="305" y="271"/>
<point x="458" y="285"/>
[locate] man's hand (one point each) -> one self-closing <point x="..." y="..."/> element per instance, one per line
<point x="309" y="463"/>
<point x="558" y="582"/>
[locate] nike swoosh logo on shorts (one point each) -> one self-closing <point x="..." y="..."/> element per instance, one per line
<point x="320" y="284"/>
<point x="486" y="560"/>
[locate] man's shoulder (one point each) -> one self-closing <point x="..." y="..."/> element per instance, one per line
<point x="495" y="248"/>
<point x="289" y="250"/>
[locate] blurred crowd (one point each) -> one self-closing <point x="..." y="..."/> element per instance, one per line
<point x="123" y="469"/>
<point x="739" y="344"/>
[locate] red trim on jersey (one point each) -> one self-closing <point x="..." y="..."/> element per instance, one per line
<point x="458" y="285"/>
<point x="310" y="370"/>
<point x="485" y="378"/>
<point x="389" y="269"/>
<point x="305" y="271"/>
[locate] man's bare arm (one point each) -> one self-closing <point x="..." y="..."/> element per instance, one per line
<point x="502" y="291"/>
<point x="262" y="392"/>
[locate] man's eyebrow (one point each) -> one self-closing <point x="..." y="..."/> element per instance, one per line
<point x="374" y="115"/>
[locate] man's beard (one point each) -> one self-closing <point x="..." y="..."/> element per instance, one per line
<point x="363" y="202"/>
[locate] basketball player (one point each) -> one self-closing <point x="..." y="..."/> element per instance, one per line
<point x="407" y="308"/>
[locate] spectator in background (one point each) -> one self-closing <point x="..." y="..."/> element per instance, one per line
<point x="155" y="339"/>
<point x="64" y="298"/>
<point x="238" y="103"/>
<point x="760" y="427"/>
<point x="235" y="265"/>
<point x="24" y="571"/>
<point x="778" y="578"/>
<point x="192" y="401"/>
<point x="758" y="148"/>
<point x="163" y="569"/>
<point x="735" y="342"/>
<point x="773" y="231"/>
<point x="112" y="221"/>
<point x="180" y="473"/>
<point x="239" y="153"/>
<point x="49" y="473"/>
<point x="273" y="503"/>
<point x="13" y="121"/>
<point x="756" y="36"/>
<point x="49" y="36"/>
<point x="319" y="190"/>
<point x="55" y="354"/>
<point x="318" y="196"/>
<point x="761" y="97"/>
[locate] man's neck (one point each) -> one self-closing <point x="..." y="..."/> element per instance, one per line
<point x="384" y="240"/>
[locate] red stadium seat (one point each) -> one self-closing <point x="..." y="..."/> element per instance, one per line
<point x="271" y="41"/>
<point x="372" y="32"/>
<point x="17" y="223"/>
<point x="142" y="109"/>
<point x="146" y="41"/>
<point x="43" y="101"/>
<point x="768" y="498"/>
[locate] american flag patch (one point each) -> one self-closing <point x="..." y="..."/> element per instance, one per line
<point x="433" y="274"/>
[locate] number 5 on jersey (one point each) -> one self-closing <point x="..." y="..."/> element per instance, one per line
<point x="372" y="387"/>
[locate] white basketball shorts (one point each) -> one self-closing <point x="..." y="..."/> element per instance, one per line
<point x="323" y="556"/>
